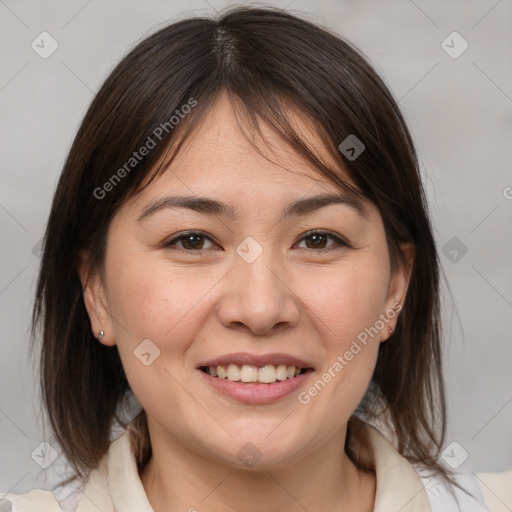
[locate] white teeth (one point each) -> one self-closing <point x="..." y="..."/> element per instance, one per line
<point x="249" y="373"/>
<point x="282" y="372"/>
<point x="233" y="372"/>
<point x="267" y="374"/>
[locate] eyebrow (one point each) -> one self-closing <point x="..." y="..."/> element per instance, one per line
<point x="208" y="206"/>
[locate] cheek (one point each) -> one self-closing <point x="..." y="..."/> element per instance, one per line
<point x="149" y="297"/>
<point x="347" y="301"/>
<point x="150" y="300"/>
<point x="346" y="306"/>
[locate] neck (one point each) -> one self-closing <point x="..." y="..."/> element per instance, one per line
<point x="177" y="478"/>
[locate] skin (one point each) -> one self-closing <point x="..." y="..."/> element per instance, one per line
<point x="291" y="299"/>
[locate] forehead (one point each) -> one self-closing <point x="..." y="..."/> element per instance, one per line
<point x="222" y="150"/>
<point x="220" y="163"/>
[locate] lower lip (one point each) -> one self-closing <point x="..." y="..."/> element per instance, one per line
<point x="249" y="393"/>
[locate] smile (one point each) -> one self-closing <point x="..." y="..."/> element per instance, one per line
<point x="255" y="392"/>
<point x="246" y="373"/>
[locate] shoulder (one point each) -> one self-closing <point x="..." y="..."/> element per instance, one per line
<point x="442" y="496"/>
<point x="497" y="489"/>
<point x="37" y="500"/>
<point x="66" y="495"/>
<point x="446" y="498"/>
<point x="89" y="495"/>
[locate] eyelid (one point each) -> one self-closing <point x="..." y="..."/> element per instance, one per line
<point x="340" y="241"/>
<point x="176" y="239"/>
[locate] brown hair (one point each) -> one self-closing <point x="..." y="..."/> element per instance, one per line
<point x="267" y="60"/>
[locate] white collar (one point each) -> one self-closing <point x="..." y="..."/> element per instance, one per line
<point x="116" y="486"/>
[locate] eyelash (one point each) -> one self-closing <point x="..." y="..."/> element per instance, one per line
<point x="339" y="241"/>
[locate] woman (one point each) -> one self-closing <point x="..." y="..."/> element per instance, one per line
<point x="240" y="238"/>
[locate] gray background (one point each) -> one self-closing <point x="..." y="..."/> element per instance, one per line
<point x="459" y="111"/>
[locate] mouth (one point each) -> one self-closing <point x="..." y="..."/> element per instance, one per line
<point x="247" y="374"/>
<point x="255" y="379"/>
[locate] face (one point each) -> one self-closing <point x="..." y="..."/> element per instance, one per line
<point x="248" y="286"/>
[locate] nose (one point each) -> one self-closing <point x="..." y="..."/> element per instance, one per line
<point x="257" y="297"/>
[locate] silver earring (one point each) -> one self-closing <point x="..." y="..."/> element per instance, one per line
<point x="390" y="330"/>
<point x="100" y="335"/>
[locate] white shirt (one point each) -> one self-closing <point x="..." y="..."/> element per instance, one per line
<point x="115" y="486"/>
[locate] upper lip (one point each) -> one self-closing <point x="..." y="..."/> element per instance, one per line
<point x="241" y="358"/>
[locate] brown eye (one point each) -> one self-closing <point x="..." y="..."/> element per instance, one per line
<point x="318" y="241"/>
<point x="192" y="241"/>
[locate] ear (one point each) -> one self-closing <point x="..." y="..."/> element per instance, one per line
<point x="397" y="289"/>
<point x="95" y="301"/>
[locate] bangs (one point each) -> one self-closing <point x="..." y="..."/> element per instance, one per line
<point x="283" y="116"/>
